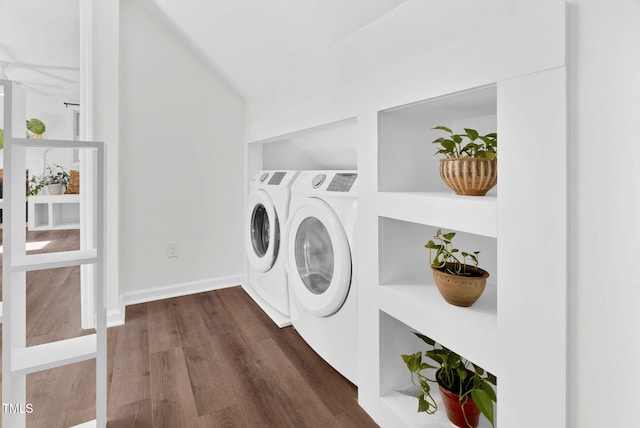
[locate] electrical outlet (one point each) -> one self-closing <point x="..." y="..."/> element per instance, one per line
<point x="172" y="249"/>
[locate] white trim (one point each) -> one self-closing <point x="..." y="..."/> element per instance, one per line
<point x="87" y="164"/>
<point x="115" y="317"/>
<point x="177" y="290"/>
<point x="86" y="70"/>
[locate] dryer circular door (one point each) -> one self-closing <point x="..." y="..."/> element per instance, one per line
<point x="319" y="258"/>
<point x="264" y="232"/>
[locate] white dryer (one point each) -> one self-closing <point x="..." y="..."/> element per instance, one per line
<point x="320" y="254"/>
<point x="268" y="206"/>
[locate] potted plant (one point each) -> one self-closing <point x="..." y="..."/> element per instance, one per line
<point x="54" y="179"/>
<point x="36" y="127"/>
<point x="459" y="283"/>
<point x="470" y="168"/>
<point x="466" y="389"/>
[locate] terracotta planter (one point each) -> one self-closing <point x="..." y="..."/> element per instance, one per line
<point x="469" y="176"/>
<point x="464" y="416"/>
<point x="460" y="290"/>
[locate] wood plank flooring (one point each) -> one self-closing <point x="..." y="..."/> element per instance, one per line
<point x="206" y="360"/>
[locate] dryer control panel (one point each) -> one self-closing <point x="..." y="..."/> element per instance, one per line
<point x="277" y="177"/>
<point x="342" y="182"/>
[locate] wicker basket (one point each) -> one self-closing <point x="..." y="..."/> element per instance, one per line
<point x="73" y="188"/>
<point x="469" y="176"/>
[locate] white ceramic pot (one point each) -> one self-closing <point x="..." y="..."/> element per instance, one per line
<point x="54" y="189"/>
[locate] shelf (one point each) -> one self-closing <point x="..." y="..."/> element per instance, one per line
<point x="474" y="214"/>
<point x="58" y="199"/>
<point x="54" y="212"/>
<point x="407" y="160"/>
<point x="326" y="146"/>
<point x="53" y="354"/>
<point x="63" y="225"/>
<point x="313" y="130"/>
<point x="54" y="260"/>
<point x="402" y="252"/>
<point x="472" y="332"/>
<point x="46" y="143"/>
<point x="406" y="407"/>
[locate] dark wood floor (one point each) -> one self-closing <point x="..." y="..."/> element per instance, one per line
<point x="205" y="360"/>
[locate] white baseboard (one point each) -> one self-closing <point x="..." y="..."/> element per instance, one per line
<point x="115" y="317"/>
<point x="176" y="290"/>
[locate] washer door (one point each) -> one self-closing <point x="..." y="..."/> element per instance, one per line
<point x="264" y="232"/>
<point x="319" y="258"/>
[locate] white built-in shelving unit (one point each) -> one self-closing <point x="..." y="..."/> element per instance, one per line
<point x="523" y="308"/>
<point x="54" y="212"/>
<point x="18" y="359"/>
<point x="412" y="203"/>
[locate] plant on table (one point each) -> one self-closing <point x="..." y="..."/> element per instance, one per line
<point x="454" y="374"/>
<point x="55" y="175"/>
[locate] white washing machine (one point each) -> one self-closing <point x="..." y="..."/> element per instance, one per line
<point x="320" y="254"/>
<point x="268" y="206"/>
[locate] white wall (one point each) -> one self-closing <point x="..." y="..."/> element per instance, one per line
<point x="58" y="120"/>
<point x="51" y="110"/>
<point x="605" y="208"/>
<point x="59" y="125"/>
<point x="181" y="165"/>
<point x="413" y="29"/>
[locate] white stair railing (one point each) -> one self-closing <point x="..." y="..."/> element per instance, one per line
<point x="18" y="359"/>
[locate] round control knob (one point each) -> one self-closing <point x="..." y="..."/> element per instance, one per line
<point x="264" y="176"/>
<point x="318" y="180"/>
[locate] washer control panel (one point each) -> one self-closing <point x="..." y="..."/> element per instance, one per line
<point x="342" y="182"/>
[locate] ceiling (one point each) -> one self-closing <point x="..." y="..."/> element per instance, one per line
<point x="252" y="44"/>
<point x="39" y="45"/>
<point x="255" y="43"/>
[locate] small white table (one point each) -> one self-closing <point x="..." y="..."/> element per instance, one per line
<point x="54" y="212"/>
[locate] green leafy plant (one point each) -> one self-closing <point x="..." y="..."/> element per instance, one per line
<point x="455" y="374"/>
<point x="454" y="146"/>
<point x="1" y="138"/>
<point x="55" y="175"/>
<point x="35" y="186"/>
<point x="36" y="126"/>
<point x="445" y="258"/>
